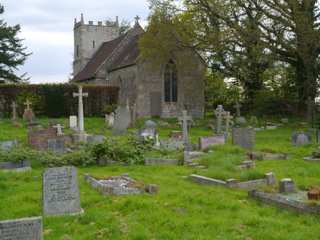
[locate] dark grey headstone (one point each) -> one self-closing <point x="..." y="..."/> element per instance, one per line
<point x="286" y="186"/>
<point x="244" y="137"/>
<point x="122" y="120"/>
<point x="57" y="145"/>
<point x="21" y="229"/>
<point x="60" y="191"/>
<point x="8" y="145"/>
<point x="300" y="139"/>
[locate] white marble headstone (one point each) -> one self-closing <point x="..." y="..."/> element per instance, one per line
<point x="73" y="122"/>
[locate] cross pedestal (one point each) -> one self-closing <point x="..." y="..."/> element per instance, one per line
<point x="80" y="95"/>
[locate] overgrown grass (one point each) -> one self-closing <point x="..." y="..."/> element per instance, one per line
<point x="181" y="209"/>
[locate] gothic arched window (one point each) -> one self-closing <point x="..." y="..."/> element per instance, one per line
<point x="171" y="82"/>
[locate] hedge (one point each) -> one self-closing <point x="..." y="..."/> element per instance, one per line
<point x="56" y="100"/>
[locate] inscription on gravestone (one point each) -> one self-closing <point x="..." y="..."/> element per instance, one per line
<point x="21" y="229"/>
<point x="60" y="191"/>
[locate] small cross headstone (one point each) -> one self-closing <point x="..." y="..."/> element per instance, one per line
<point x="238" y="109"/>
<point x="109" y="118"/>
<point x="28" y="104"/>
<point x="185" y="119"/>
<point x="80" y="95"/>
<point x="14" y="111"/>
<point x="219" y="112"/>
<point x="24" y="229"/>
<point x="60" y="191"/>
<point x="59" y="128"/>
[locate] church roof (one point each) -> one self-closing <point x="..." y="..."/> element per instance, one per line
<point x="118" y="53"/>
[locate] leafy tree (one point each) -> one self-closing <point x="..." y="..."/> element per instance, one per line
<point x="291" y="31"/>
<point x="12" y="52"/>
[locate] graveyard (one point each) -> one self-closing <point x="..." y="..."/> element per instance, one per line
<point x="177" y="207"/>
<point x="159" y="120"/>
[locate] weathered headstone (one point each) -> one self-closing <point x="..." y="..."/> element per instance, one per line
<point x="228" y="118"/>
<point x="206" y="142"/>
<point x="60" y="191"/>
<point x="59" y="128"/>
<point x="73" y="122"/>
<point x="149" y="132"/>
<point x="57" y="145"/>
<point x="38" y="138"/>
<point x="80" y="95"/>
<point x="28" y="114"/>
<point x="122" y="120"/>
<point x="244" y="137"/>
<point x="185" y="119"/>
<point x="21" y="166"/>
<point x="300" y="139"/>
<point x="21" y="229"/>
<point x="219" y="112"/>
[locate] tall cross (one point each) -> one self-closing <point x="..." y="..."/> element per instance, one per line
<point x="59" y="128"/>
<point x="219" y="112"/>
<point x="14" y="111"/>
<point x="185" y="119"/>
<point x="80" y="95"/>
<point x="228" y="117"/>
<point x="238" y="108"/>
<point x="137" y="18"/>
<point x="28" y="104"/>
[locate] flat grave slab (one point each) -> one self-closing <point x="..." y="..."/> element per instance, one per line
<point x="21" y="229"/>
<point x="22" y="166"/>
<point x="120" y="185"/>
<point x="60" y="191"/>
<point x="161" y="161"/>
<point x="206" y="142"/>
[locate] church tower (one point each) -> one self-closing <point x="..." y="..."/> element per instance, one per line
<point x="88" y="38"/>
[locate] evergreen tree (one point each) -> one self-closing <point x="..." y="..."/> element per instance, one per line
<point x="12" y="52"/>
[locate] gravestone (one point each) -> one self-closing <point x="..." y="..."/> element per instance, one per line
<point x="301" y="139"/>
<point x="82" y="136"/>
<point x="219" y="113"/>
<point x="59" y="129"/>
<point x="149" y="131"/>
<point x="21" y="166"/>
<point x="60" y="191"/>
<point x="57" y="145"/>
<point x="172" y="144"/>
<point x="244" y="137"/>
<point x="206" y="142"/>
<point x="8" y="145"/>
<point x="21" y="229"/>
<point x="228" y="118"/>
<point x="109" y="118"/>
<point x="28" y="114"/>
<point x="38" y="138"/>
<point x="73" y="122"/>
<point x="287" y="186"/>
<point x="185" y="119"/>
<point x="96" y="139"/>
<point x="122" y="120"/>
<point x="14" y="112"/>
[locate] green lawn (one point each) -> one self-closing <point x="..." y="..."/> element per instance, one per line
<point x="181" y="209"/>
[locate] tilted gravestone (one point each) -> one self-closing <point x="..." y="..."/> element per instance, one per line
<point x="244" y="137"/>
<point x="21" y="229"/>
<point x="122" y="120"/>
<point x="60" y="191"/>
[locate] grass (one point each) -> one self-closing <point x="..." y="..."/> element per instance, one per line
<point x="181" y="209"/>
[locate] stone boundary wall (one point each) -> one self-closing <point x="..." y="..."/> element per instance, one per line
<point x="283" y="202"/>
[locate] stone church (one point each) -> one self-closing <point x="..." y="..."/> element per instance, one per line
<point x="104" y="57"/>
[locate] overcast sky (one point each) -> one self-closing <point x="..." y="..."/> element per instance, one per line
<point x="47" y="27"/>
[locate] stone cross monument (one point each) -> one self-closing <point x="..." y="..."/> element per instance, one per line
<point x="185" y="119"/>
<point x="14" y="111"/>
<point x="219" y="112"/>
<point x="28" y="104"/>
<point x="238" y="108"/>
<point x="80" y="95"/>
<point x="228" y="117"/>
